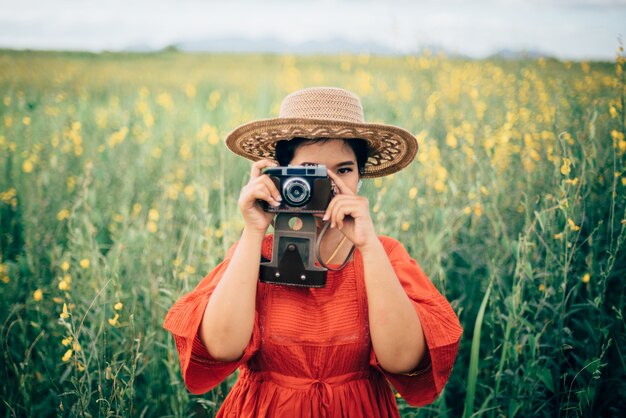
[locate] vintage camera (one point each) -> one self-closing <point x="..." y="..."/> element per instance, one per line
<point x="304" y="189"/>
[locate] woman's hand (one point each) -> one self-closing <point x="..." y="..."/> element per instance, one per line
<point x="260" y="187"/>
<point x="350" y="214"/>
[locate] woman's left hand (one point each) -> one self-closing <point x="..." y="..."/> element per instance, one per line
<point x="350" y="213"/>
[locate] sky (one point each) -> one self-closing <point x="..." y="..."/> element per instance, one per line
<point x="567" y="29"/>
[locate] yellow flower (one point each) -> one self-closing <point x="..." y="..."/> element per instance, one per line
<point x="586" y="278"/>
<point x="405" y="226"/>
<point x="572" y="225"/>
<point x="38" y="295"/>
<point x="80" y="367"/>
<point x="65" y="266"/>
<point x="613" y="112"/>
<point x="67" y="356"/>
<point x="113" y="321"/>
<point x="478" y="209"/>
<point x="542" y="287"/>
<point x="118" y="306"/>
<point x="412" y="193"/>
<point x="84" y="263"/>
<point x="558" y="236"/>
<point x="63" y="285"/>
<point x="190" y="269"/>
<point x="467" y="210"/>
<point x="26" y="120"/>
<point x="565" y="168"/>
<point x="153" y="215"/>
<point x="65" y="314"/>
<point x="76" y="346"/>
<point x="152" y="227"/>
<point x="67" y="341"/>
<point x="63" y="214"/>
<point x="27" y="166"/>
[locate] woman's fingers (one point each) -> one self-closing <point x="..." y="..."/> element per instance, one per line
<point x="342" y="206"/>
<point x="262" y="188"/>
<point x="341" y="186"/>
<point x="259" y="166"/>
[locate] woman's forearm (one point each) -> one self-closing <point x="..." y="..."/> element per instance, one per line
<point x="228" y="319"/>
<point x="395" y="328"/>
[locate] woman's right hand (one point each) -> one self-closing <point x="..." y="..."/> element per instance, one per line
<point x="260" y="187"/>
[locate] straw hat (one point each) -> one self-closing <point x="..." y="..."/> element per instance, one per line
<point x="326" y="112"/>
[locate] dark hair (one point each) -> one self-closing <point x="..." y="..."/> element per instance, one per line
<point x="286" y="149"/>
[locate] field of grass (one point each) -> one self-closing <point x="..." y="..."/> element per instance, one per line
<point x="117" y="196"/>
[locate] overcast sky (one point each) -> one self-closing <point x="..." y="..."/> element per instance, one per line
<point x="569" y="29"/>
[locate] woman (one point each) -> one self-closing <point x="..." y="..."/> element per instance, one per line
<point x="318" y="352"/>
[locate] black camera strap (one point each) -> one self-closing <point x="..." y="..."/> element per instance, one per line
<point x="319" y="255"/>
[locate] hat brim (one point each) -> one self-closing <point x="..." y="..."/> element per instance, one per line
<point x="390" y="148"/>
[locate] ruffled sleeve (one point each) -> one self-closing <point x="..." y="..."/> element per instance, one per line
<point x="200" y="371"/>
<point x="442" y="331"/>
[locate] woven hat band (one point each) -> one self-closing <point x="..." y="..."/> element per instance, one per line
<point x="326" y="103"/>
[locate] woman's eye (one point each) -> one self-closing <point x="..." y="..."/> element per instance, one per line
<point x="344" y="170"/>
<point x="310" y="165"/>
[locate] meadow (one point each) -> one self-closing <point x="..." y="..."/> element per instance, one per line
<point x="117" y="196"/>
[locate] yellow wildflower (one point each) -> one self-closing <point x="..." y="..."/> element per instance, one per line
<point x="405" y="226"/>
<point x="558" y="236"/>
<point x="76" y="346"/>
<point x="542" y="287"/>
<point x="478" y="209"/>
<point x="153" y="215"/>
<point x="565" y="168"/>
<point x="65" y="314"/>
<point x="38" y="295"/>
<point x="84" y="263"/>
<point x="152" y="227"/>
<point x="27" y="166"/>
<point x="113" y="321"/>
<point x="67" y="341"/>
<point x="572" y="225"/>
<point x="412" y="193"/>
<point x="118" y="306"/>
<point x="67" y="356"/>
<point x="586" y="278"/>
<point x="613" y="112"/>
<point x="26" y="120"/>
<point x="63" y="214"/>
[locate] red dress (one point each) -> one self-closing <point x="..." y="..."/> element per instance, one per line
<point x="311" y="354"/>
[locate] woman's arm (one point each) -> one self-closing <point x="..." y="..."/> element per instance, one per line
<point x="396" y="331"/>
<point x="395" y="328"/>
<point x="228" y="320"/>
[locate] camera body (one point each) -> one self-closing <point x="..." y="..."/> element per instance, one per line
<point x="304" y="189"/>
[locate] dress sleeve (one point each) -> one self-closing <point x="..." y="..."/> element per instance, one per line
<point x="442" y="331"/>
<point x="200" y="371"/>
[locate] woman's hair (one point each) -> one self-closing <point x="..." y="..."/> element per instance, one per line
<point x="285" y="150"/>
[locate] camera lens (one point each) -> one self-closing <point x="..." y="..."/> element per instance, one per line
<point x="296" y="191"/>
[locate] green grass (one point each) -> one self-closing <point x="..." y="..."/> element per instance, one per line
<point x="117" y="196"/>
